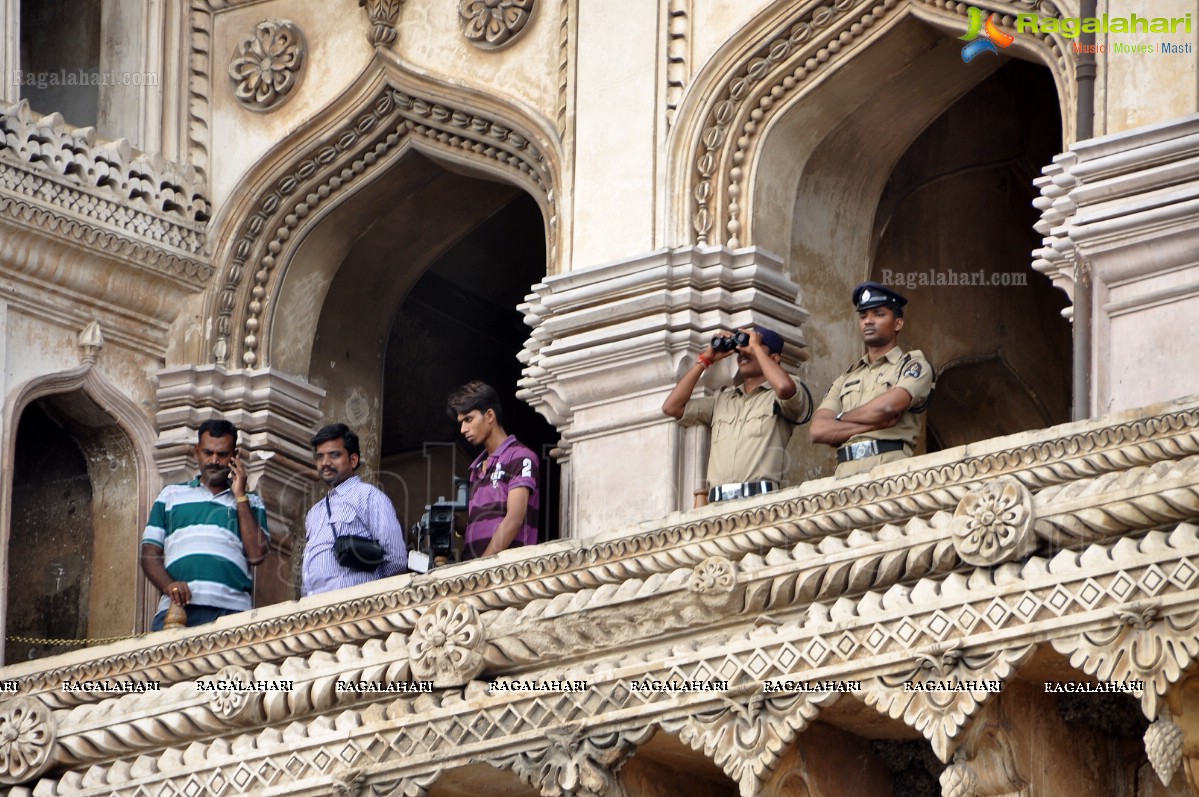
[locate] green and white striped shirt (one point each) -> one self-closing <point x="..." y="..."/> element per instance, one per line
<point x="201" y="541"/>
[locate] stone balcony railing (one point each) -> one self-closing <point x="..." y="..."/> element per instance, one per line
<point x="1067" y="552"/>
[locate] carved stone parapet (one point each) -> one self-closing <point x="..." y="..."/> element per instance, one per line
<point x="492" y="24"/>
<point x="591" y="619"/>
<point x="76" y="156"/>
<point x="812" y="560"/>
<point x="268" y="64"/>
<point x="980" y="618"/>
<point x="1143" y="497"/>
<point x="993" y="523"/>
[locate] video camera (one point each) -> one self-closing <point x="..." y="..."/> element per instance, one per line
<point x="433" y="534"/>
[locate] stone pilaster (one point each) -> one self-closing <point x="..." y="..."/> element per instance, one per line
<point x="276" y="415"/>
<point x="1120" y="215"/>
<point x="609" y="343"/>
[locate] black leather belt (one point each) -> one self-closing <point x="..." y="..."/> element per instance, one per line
<point x="727" y="492"/>
<point x="867" y="448"/>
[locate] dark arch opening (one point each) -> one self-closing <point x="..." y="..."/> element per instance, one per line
<point x="953" y="231"/>
<point x="50" y="547"/>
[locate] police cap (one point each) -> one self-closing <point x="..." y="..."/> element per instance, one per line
<point x="874" y="294"/>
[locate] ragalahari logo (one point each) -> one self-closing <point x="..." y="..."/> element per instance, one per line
<point x="992" y="37"/>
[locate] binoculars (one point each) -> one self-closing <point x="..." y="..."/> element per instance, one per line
<point x="738" y="339"/>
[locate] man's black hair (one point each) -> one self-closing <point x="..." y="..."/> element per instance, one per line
<point x="216" y="428"/>
<point x="475" y="395"/>
<point x="337" y="431"/>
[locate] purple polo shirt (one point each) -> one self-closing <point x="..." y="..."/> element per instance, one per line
<point x="512" y="465"/>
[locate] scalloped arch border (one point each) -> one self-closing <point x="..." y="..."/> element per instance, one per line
<point x="386" y="112"/>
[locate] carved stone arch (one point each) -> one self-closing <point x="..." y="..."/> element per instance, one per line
<point x="748" y="737"/>
<point x="76" y="393"/>
<point x="784" y="56"/>
<point x="386" y="114"/>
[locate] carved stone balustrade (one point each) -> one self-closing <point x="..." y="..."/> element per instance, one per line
<point x="1075" y="547"/>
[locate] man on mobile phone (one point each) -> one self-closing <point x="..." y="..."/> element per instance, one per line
<point x="203" y="536"/>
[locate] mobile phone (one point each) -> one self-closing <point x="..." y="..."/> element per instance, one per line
<point x="236" y="454"/>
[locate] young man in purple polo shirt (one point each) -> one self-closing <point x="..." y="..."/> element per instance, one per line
<point x="503" y="504"/>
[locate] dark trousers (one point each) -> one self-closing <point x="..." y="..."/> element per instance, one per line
<point x="196" y="615"/>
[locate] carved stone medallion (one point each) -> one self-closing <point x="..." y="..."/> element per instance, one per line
<point x="491" y="24"/>
<point x="993" y="523"/>
<point x="267" y="65"/>
<point x="447" y="644"/>
<point x="27" y="736"/>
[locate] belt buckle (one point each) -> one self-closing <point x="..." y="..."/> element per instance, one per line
<point x="863" y="449"/>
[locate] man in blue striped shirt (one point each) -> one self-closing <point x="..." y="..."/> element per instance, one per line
<point x="352" y="507"/>
<point x="203" y="536"/>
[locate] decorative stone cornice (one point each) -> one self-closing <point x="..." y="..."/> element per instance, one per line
<point x="941" y="715"/>
<point x="1107" y="194"/>
<point x="968" y="628"/>
<point x="648" y="304"/>
<point x="575" y="765"/>
<point x="79" y="158"/>
<point x="1139" y="647"/>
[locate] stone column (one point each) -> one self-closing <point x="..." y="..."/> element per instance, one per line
<point x="1120" y="215"/>
<point x="610" y="342"/>
<point x="276" y="415"/>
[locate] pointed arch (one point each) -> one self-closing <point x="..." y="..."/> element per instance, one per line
<point x="777" y="63"/>
<point x="387" y="113"/>
<point x="98" y="395"/>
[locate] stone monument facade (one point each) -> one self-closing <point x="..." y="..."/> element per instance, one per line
<point x="295" y="212"/>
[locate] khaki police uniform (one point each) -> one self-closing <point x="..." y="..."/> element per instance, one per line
<point x="749" y="438"/>
<point x="865" y="381"/>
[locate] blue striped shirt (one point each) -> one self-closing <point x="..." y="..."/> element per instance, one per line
<point x="359" y="509"/>
<point x="201" y="541"/>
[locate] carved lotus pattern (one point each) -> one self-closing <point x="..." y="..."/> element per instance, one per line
<point x="993" y="523"/>
<point x="491" y="24"/>
<point x="228" y="701"/>
<point x="267" y="65"/>
<point x="714" y="581"/>
<point x="27" y="736"/>
<point x="446" y="645"/>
